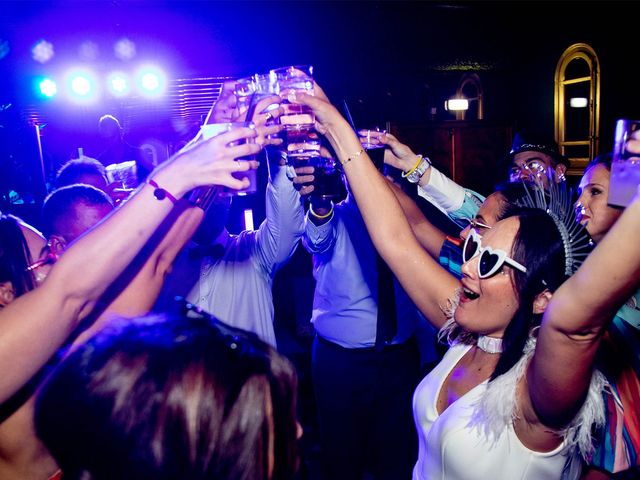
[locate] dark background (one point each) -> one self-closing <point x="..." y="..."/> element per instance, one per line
<point x="391" y="61"/>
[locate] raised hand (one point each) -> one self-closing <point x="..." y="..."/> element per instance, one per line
<point x="265" y="118"/>
<point x="398" y="154"/>
<point x="224" y="110"/>
<point x="211" y="162"/>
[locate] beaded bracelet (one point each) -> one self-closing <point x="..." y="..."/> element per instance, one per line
<point x="413" y="169"/>
<point x="161" y="193"/>
<point x="356" y="155"/>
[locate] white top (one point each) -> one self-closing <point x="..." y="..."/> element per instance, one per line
<point x="451" y="446"/>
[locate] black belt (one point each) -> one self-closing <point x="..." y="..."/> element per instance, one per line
<point x="410" y="342"/>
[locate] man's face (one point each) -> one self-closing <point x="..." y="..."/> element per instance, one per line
<point x="530" y="165"/>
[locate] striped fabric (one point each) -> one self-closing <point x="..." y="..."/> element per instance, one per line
<point x="618" y="444"/>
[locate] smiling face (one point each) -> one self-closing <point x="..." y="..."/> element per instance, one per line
<point x="488" y="305"/>
<point x="591" y="208"/>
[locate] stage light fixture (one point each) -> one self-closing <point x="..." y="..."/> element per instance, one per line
<point x="42" y="52"/>
<point x="47" y="87"/>
<point x="151" y="81"/>
<point x="81" y="86"/>
<point x="124" y="49"/>
<point x="118" y="84"/>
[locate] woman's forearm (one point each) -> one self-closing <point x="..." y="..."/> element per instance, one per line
<point x="428" y="285"/>
<point x="577" y="315"/>
<point x="35" y="325"/>
<point x="430" y="237"/>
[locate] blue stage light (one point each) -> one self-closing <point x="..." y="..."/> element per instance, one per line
<point x="48" y="87"/>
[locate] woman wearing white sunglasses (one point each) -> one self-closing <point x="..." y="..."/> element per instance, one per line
<point x="515" y="396"/>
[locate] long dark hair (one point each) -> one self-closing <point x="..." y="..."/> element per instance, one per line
<point x="167" y="397"/>
<point x="538" y="246"/>
<point x="14" y="256"/>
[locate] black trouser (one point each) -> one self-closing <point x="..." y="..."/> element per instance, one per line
<point x="364" y="402"/>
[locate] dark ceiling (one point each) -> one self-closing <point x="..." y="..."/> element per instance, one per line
<point x="390" y="60"/>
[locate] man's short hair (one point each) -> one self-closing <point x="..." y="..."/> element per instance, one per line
<point x="72" y="171"/>
<point x="60" y="203"/>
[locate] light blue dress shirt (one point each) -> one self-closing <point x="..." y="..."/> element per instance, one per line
<point x="344" y="266"/>
<point x="236" y="288"/>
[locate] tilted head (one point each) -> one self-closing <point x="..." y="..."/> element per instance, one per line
<point x="511" y="271"/>
<point x="167" y="397"/>
<point x="70" y="211"/>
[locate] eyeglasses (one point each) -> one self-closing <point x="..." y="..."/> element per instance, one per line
<point x="49" y="255"/>
<point x="476" y="224"/>
<point x="490" y="261"/>
<point x="535" y="167"/>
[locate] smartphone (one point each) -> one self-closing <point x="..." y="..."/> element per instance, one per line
<point x="625" y="165"/>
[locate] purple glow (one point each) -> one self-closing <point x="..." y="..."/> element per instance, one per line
<point x="88" y="50"/>
<point x="42" y="52"/>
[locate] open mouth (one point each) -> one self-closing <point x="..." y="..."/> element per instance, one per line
<point x="469" y="295"/>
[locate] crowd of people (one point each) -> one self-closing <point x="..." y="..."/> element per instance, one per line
<point x="535" y="304"/>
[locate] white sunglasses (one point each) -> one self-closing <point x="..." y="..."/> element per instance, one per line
<point x="490" y="261"/>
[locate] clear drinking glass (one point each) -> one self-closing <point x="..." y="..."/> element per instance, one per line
<point x="243" y="89"/>
<point x="290" y="79"/>
<point x="368" y="138"/>
<point x="211" y="130"/>
<point x="301" y="140"/>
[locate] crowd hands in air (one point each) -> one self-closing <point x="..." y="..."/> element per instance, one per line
<point x="522" y="389"/>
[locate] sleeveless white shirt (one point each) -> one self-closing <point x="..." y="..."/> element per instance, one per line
<point x="453" y="447"/>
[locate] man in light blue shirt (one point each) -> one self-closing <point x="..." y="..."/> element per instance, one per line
<point x="363" y="386"/>
<point x="230" y="276"/>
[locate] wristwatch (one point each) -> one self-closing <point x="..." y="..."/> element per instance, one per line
<point x="416" y="175"/>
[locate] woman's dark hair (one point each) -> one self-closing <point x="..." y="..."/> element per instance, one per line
<point x="538" y="246"/>
<point x="171" y="397"/>
<point x="14" y="256"/>
<point x="602" y="159"/>
<point x="512" y="193"/>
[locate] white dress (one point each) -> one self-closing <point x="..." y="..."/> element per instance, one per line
<point x="462" y="442"/>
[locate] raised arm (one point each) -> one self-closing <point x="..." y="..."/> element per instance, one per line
<point x="576" y="318"/>
<point x="36" y="324"/>
<point x="428" y="285"/>
<point x="430" y="237"/>
<point x="435" y="187"/>
<point x="137" y="289"/>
